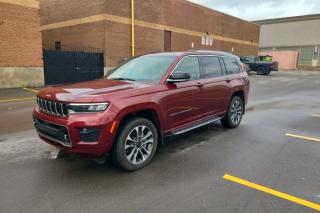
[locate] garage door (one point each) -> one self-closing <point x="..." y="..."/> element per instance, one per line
<point x="66" y="67"/>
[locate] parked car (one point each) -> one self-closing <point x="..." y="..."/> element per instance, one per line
<point x="142" y="102"/>
<point x="262" y="67"/>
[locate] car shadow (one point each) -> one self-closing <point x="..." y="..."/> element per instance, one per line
<point x="197" y="136"/>
<point x="171" y="144"/>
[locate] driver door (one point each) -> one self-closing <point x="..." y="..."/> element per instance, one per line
<point x="184" y="98"/>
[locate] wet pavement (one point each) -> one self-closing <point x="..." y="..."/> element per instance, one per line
<point x="187" y="173"/>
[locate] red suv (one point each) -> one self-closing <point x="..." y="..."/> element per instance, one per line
<point x="143" y="101"/>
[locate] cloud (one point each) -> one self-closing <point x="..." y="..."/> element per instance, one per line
<point x="262" y="9"/>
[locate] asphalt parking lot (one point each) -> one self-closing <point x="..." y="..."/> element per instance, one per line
<point x="270" y="163"/>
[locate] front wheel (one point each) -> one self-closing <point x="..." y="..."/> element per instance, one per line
<point x="136" y="144"/>
<point x="234" y="114"/>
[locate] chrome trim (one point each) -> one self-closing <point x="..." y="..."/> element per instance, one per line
<point x="199" y="55"/>
<point x="177" y="80"/>
<point x="51" y="111"/>
<point x="55" y="140"/>
<point x="85" y="104"/>
<point x="180" y="112"/>
<point x="52" y="107"/>
<point x="42" y="106"/>
<point x="195" y="126"/>
<point x="61" y="107"/>
<point x="55" y="106"/>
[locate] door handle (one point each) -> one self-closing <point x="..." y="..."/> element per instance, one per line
<point x="227" y="80"/>
<point x="199" y="84"/>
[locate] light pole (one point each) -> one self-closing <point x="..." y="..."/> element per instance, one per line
<point x="132" y="29"/>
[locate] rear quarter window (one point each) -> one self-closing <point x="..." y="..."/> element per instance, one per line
<point x="231" y="65"/>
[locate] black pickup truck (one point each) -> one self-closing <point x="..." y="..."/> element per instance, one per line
<point x="262" y="67"/>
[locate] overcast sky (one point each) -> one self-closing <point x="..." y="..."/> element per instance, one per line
<point x="263" y="9"/>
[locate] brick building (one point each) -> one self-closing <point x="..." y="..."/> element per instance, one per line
<point x="20" y="47"/>
<point x="105" y="25"/>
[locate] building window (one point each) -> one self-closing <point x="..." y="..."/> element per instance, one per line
<point x="57" y="45"/>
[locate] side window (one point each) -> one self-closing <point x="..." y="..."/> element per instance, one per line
<point x="211" y="66"/>
<point x="231" y="65"/>
<point x="189" y="65"/>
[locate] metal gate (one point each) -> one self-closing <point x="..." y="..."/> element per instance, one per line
<point x="67" y="67"/>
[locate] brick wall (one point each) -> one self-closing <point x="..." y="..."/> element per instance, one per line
<point x="86" y="36"/>
<point x="117" y="43"/>
<point x="52" y="11"/>
<point x="116" y="39"/>
<point x="20" y="36"/>
<point x="184" y="14"/>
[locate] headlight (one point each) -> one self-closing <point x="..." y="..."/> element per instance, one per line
<point x="87" y="107"/>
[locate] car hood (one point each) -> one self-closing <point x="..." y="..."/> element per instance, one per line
<point x="90" y="91"/>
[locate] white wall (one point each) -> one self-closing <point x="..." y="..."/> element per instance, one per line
<point x="298" y="33"/>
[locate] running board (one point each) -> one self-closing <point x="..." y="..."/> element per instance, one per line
<point x="178" y="132"/>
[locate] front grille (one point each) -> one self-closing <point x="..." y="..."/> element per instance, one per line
<point x="53" y="107"/>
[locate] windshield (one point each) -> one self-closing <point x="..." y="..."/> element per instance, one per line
<point x="149" y="68"/>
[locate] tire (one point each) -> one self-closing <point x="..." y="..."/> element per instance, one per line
<point x="236" y="108"/>
<point x="267" y="72"/>
<point x="261" y="71"/>
<point x="131" y="151"/>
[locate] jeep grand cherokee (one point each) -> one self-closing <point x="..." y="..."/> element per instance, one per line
<point x="143" y="101"/>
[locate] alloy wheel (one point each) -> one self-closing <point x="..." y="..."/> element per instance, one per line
<point x="139" y="144"/>
<point x="236" y="112"/>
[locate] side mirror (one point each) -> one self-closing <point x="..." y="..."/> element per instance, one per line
<point x="179" y="77"/>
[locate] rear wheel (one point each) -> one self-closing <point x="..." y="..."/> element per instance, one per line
<point x="136" y="144"/>
<point x="261" y="71"/>
<point x="234" y="114"/>
<point x="267" y="72"/>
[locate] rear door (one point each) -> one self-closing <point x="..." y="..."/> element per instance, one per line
<point x="233" y="74"/>
<point x="216" y="88"/>
<point x="184" y="98"/>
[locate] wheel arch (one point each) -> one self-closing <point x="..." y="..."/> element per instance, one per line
<point x="149" y="112"/>
<point x="241" y="94"/>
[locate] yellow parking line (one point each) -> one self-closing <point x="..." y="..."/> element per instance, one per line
<point x="31" y="90"/>
<point x="272" y="192"/>
<point x="316" y="115"/>
<point x="16" y="99"/>
<point x="303" y="137"/>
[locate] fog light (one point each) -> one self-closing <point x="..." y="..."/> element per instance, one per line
<point x="89" y="134"/>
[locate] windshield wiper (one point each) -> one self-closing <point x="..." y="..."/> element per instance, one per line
<point x="122" y="79"/>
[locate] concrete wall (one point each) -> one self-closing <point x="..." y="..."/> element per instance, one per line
<point x="64" y="19"/>
<point x="21" y="50"/>
<point x="298" y="33"/>
<point x="13" y="77"/>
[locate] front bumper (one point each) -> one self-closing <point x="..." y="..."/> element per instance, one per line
<point x="67" y="133"/>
